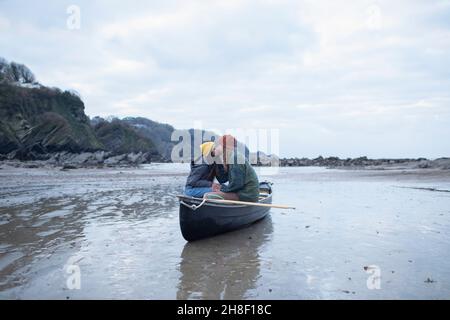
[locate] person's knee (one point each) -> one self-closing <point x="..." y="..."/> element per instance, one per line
<point x="213" y="195"/>
<point x="232" y="196"/>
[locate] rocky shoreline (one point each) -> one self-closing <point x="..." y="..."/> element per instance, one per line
<point x="366" y="163"/>
<point x="98" y="159"/>
<point x="101" y="159"/>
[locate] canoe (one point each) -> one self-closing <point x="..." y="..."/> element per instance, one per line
<point x="199" y="220"/>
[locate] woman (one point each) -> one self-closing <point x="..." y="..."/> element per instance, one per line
<point x="243" y="184"/>
<point x="200" y="179"/>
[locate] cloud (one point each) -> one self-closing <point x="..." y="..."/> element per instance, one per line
<point x="360" y="77"/>
<point x="4" y="24"/>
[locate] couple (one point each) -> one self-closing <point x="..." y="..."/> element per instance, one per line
<point x="221" y="160"/>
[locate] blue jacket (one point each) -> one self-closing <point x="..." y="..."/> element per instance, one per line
<point x="201" y="175"/>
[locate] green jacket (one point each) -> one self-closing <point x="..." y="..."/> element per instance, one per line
<point x="242" y="179"/>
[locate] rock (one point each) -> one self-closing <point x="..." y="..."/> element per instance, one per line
<point x="134" y="158"/>
<point x="32" y="166"/>
<point x="115" y="160"/>
<point x="59" y="158"/>
<point x="424" y="164"/>
<point x="69" y="167"/>
<point x="442" y="163"/>
<point x="100" y="156"/>
<point x="81" y="158"/>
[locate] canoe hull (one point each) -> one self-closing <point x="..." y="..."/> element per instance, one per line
<point x="213" y="219"/>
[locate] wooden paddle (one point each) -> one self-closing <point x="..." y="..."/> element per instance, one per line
<point x="256" y="204"/>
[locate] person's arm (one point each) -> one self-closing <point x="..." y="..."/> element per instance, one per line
<point x="236" y="180"/>
<point x="197" y="177"/>
<point x="202" y="184"/>
<point x="221" y="176"/>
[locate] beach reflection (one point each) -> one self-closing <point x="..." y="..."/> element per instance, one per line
<point x="223" y="267"/>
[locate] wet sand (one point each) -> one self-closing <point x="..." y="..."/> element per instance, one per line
<point x="119" y="228"/>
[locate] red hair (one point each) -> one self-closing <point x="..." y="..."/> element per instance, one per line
<point x="229" y="143"/>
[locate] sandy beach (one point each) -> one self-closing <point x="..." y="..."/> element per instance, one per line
<point x="119" y="228"/>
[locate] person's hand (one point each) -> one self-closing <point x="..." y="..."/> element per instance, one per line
<point x="215" y="187"/>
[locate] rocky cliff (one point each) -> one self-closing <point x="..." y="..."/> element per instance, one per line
<point x="37" y="121"/>
<point x="41" y="123"/>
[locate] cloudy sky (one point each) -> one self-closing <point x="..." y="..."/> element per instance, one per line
<point x="345" y="78"/>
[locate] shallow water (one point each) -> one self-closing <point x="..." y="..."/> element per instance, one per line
<point x="119" y="229"/>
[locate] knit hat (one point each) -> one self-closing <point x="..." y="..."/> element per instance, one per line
<point x="206" y="148"/>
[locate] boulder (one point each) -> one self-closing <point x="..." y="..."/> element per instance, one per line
<point x="115" y="160"/>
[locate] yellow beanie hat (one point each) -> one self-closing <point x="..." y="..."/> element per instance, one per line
<point x="206" y="148"/>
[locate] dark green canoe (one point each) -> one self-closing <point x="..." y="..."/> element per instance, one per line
<point x="200" y="219"/>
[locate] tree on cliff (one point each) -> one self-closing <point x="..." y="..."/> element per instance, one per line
<point x="15" y="72"/>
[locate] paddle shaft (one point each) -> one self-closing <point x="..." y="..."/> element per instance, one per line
<point x="256" y="204"/>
